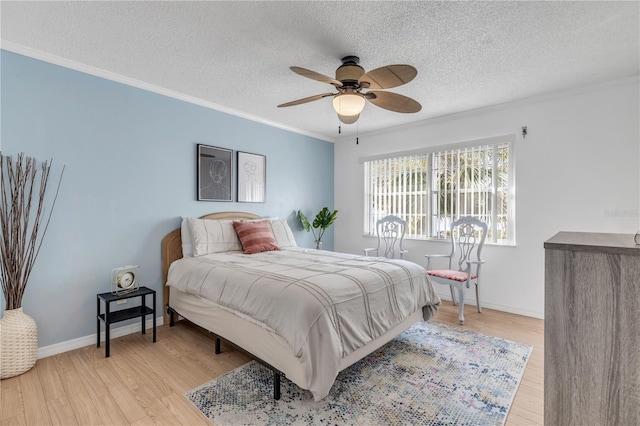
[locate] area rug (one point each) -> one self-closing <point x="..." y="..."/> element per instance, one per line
<point x="432" y="374"/>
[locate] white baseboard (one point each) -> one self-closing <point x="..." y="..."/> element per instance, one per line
<point x="471" y="300"/>
<point x="81" y="342"/>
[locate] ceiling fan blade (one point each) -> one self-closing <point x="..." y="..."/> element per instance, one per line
<point x="393" y="102"/>
<point x="388" y="77"/>
<point x="305" y="100"/>
<point x="316" y="76"/>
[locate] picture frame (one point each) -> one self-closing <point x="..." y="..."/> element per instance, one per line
<point x="252" y="178"/>
<point x="215" y="173"/>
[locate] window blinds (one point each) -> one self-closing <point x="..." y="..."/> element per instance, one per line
<point x="431" y="190"/>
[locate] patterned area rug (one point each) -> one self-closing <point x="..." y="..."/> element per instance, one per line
<point x="432" y="374"/>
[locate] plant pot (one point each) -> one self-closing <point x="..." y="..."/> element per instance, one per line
<point x="318" y="245"/>
<point x="18" y="343"/>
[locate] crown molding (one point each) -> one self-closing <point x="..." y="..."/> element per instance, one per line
<point x="108" y="75"/>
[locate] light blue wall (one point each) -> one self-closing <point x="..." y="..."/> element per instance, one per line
<point x="130" y="174"/>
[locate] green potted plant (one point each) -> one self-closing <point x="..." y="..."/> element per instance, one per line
<point x="323" y="220"/>
<point x="23" y="224"/>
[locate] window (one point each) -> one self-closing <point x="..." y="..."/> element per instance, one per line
<point x="431" y="189"/>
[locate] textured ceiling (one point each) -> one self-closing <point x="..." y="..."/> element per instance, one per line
<point x="237" y="55"/>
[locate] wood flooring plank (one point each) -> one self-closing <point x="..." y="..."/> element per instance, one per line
<point x="51" y="384"/>
<point x="200" y="347"/>
<point x="127" y="373"/>
<point x="533" y="412"/>
<point x="95" y="356"/>
<point x="87" y="371"/>
<point x="136" y="372"/>
<point x="18" y="420"/>
<point x="33" y="400"/>
<point x="183" y="411"/>
<point x="63" y="363"/>
<point x="178" y="375"/>
<point x="82" y="405"/>
<point x="61" y="412"/>
<point x="145" y="421"/>
<point x="123" y="396"/>
<point x="516" y="417"/>
<point x="154" y="407"/>
<point x="195" y="347"/>
<point x="11" y="399"/>
<point x="228" y="360"/>
<point x="109" y="412"/>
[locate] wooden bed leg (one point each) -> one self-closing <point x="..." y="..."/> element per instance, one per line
<point x="276" y="385"/>
<point x="217" y="345"/>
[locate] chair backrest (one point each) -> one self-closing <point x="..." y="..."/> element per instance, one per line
<point x="390" y="230"/>
<point x="467" y="237"/>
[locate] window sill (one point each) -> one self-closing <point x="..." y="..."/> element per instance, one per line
<point x="435" y="240"/>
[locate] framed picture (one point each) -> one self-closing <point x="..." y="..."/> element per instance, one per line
<point x="252" y="178"/>
<point x="215" y="173"/>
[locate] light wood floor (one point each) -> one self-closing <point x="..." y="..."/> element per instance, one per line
<point x="142" y="382"/>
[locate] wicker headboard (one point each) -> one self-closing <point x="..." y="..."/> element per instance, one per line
<point x="172" y="250"/>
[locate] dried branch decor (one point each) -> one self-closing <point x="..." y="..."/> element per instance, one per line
<point x="22" y="214"/>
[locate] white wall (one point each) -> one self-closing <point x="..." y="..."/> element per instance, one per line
<point x="576" y="170"/>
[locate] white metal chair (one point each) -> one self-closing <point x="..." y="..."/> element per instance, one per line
<point x="390" y="230"/>
<point x="467" y="238"/>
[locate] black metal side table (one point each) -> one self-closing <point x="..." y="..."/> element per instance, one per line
<point x="138" y="311"/>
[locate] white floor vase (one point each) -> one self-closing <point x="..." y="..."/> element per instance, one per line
<point x="18" y="343"/>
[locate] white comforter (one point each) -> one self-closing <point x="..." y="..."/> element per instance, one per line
<point x="324" y="304"/>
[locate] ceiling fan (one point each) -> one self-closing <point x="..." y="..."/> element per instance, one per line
<point x="351" y="79"/>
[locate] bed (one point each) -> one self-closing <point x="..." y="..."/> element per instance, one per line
<point x="306" y="314"/>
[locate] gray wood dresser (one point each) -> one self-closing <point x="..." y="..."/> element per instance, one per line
<point x="592" y="330"/>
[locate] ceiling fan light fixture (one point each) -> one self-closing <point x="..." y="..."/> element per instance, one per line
<point x="348" y="104"/>
<point x="348" y="119"/>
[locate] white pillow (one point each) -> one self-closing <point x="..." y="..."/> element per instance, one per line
<point x="282" y="233"/>
<point x="213" y="236"/>
<point x="187" y="248"/>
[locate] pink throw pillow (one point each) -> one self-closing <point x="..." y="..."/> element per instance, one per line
<point x="256" y="237"/>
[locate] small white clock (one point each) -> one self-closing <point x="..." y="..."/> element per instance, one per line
<point x="124" y="279"/>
